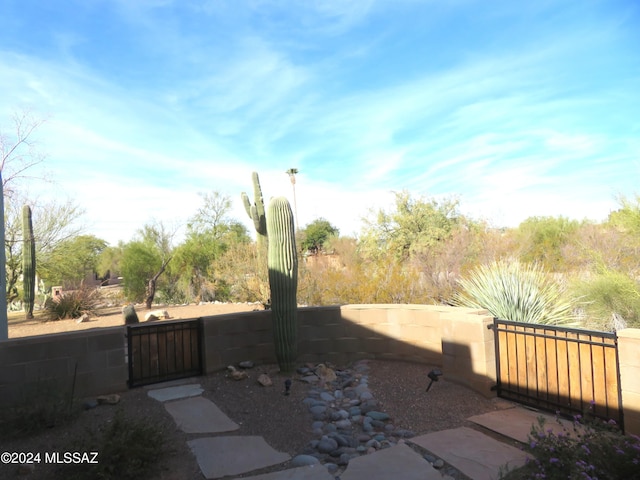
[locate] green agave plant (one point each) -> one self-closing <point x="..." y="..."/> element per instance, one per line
<point x="518" y="292"/>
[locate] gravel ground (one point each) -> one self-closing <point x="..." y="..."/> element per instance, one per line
<point x="284" y="421"/>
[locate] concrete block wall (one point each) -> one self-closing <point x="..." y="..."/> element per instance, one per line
<point x="456" y="339"/>
<point x="96" y="358"/>
<point x="629" y="362"/>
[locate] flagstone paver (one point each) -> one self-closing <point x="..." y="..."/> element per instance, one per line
<point x="175" y="393"/>
<point x="399" y="461"/>
<point x="234" y="455"/>
<point x="516" y="422"/>
<point x="199" y="415"/>
<point x="473" y="453"/>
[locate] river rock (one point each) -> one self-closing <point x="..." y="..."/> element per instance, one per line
<point x="327" y="445"/>
<point x="304" y="460"/>
<point x="375" y="415"/>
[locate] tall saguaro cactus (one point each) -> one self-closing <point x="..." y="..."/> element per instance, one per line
<point x="28" y="262"/>
<point x="4" y="324"/>
<point x="283" y="281"/>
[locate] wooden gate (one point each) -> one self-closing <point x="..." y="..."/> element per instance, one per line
<point x="163" y="351"/>
<point x="558" y="369"/>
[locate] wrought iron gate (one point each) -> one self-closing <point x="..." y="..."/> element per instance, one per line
<point x="558" y="369"/>
<point x="163" y="351"/>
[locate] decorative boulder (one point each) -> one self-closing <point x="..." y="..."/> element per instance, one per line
<point x="156" y="315"/>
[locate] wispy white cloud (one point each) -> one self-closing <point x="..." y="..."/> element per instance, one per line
<point x="518" y="123"/>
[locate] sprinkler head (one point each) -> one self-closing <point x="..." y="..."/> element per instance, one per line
<point x="287" y="386"/>
<point x="433" y="375"/>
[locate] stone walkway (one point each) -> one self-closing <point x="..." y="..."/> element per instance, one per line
<point x="475" y="454"/>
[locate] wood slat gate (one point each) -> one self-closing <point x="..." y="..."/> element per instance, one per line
<point x="163" y="351"/>
<point x="558" y="369"/>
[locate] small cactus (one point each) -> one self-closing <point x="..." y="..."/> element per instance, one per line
<point x="28" y="262"/>
<point x="130" y="315"/>
<point x="283" y="281"/>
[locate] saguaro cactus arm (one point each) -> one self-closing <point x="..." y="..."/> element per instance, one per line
<point x="256" y="211"/>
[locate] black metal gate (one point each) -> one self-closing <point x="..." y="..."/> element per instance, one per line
<point x="163" y="351"/>
<point x="558" y="369"/>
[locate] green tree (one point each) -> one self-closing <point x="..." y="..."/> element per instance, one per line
<point x="414" y="225"/>
<point x="627" y="217"/>
<point x="542" y="240"/>
<point x="144" y="260"/>
<point x="210" y="233"/>
<point x="140" y="262"/>
<point x="70" y="261"/>
<point x="315" y="234"/>
<point x="192" y="268"/>
<point x="109" y="261"/>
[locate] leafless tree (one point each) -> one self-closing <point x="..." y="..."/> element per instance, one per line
<point x="19" y="151"/>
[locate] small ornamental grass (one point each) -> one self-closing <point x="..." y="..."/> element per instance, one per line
<point x="516" y="292"/>
<point x="590" y="449"/>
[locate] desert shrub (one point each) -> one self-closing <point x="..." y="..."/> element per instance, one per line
<point x="543" y="238"/>
<point x="383" y="280"/>
<point x="45" y="404"/>
<point x="589" y="449"/>
<point x="515" y="291"/>
<point x="128" y="448"/>
<point x="73" y="303"/>
<point x="609" y="297"/>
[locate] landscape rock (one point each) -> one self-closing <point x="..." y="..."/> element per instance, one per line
<point x="246" y="364"/>
<point x="304" y="460"/>
<point x="327" y="445"/>
<point x="265" y="380"/>
<point x="112" y="399"/>
<point x="83" y="318"/>
<point x="158" y="314"/>
<point x="236" y="374"/>
<point x="90" y="404"/>
<point x="325" y="373"/>
<point x="380" y="416"/>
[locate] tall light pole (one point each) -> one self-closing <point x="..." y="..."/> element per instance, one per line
<point x="292" y="176"/>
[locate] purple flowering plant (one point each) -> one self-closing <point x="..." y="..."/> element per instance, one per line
<point x="585" y="448"/>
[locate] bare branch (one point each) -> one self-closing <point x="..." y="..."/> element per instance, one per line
<point x="19" y="151"/>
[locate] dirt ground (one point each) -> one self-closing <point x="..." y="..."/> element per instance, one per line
<point x="112" y="317"/>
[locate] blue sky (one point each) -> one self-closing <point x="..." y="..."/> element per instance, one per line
<point x="516" y="108"/>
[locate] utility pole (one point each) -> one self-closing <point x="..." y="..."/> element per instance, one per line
<point x="292" y="176"/>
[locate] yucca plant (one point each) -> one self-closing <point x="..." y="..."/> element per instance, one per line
<point x="514" y="291"/>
